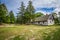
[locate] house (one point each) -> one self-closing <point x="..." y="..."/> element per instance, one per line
<point x="44" y="20"/>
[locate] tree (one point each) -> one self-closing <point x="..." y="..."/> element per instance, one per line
<point x="55" y="18"/>
<point x="3" y="13"/>
<point x="12" y="17"/>
<point x="38" y="14"/>
<point x="30" y="10"/>
<point x="25" y="15"/>
<point x="7" y="19"/>
<point x="20" y="15"/>
<point x="59" y="17"/>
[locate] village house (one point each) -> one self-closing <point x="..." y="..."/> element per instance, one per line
<point x="45" y="20"/>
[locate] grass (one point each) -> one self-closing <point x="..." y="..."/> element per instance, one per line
<point x="29" y="32"/>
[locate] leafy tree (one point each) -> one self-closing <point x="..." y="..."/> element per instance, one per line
<point x="59" y="17"/>
<point x="38" y="14"/>
<point x="55" y="15"/>
<point x="8" y="18"/>
<point x="3" y="13"/>
<point x="27" y="17"/>
<point x="56" y="18"/>
<point x="12" y="17"/>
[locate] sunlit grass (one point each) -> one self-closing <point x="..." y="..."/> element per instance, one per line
<point x="27" y="32"/>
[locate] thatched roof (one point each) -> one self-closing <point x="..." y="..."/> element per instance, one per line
<point x="42" y="18"/>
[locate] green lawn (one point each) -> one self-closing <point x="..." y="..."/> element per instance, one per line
<point x="29" y="32"/>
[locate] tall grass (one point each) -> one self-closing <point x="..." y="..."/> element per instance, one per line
<point x="30" y="32"/>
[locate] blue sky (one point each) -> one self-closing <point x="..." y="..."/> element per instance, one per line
<point x="46" y="6"/>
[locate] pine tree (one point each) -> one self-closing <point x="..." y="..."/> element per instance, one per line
<point x="30" y="10"/>
<point x="12" y="17"/>
<point x="20" y="15"/>
<point x="3" y="13"/>
<point x="7" y="19"/>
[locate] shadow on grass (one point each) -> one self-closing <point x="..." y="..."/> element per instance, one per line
<point x="55" y="36"/>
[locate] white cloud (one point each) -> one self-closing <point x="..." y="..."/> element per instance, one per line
<point x="14" y="4"/>
<point x="46" y="3"/>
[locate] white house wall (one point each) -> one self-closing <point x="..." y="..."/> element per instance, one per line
<point x="42" y="23"/>
<point x="45" y="23"/>
<point x="35" y="22"/>
<point x="50" y="22"/>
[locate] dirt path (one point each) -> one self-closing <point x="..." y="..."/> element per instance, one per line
<point x="7" y="25"/>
